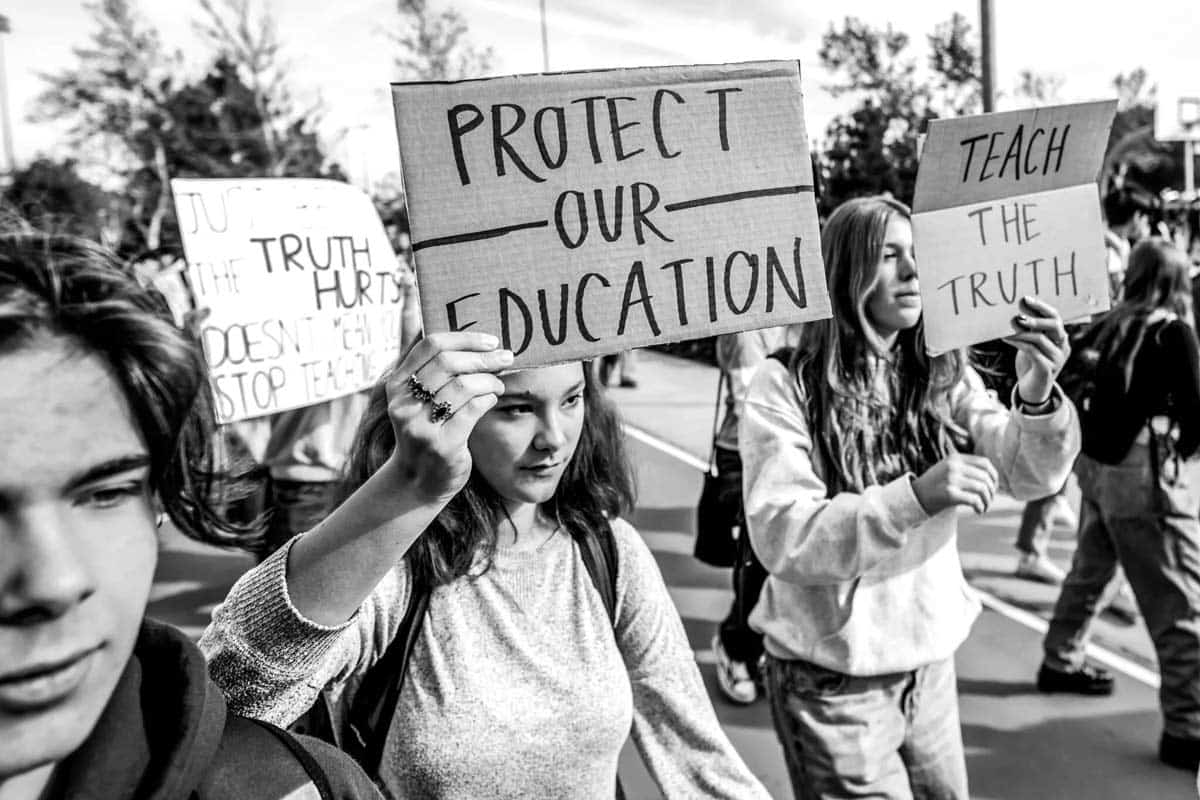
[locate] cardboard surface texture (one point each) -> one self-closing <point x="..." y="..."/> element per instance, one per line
<point x="302" y="287"/>
<point x="587" y="213"/>
<point x="1006" y="205"/>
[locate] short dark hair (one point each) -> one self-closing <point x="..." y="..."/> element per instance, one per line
<point x="1120" y="206"/>
<point x="59" y="287"/>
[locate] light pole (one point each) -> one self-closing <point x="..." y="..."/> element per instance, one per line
<point x="545" y="39"/>
<point x="987" y="53"/>
<point x="5" y="123"/>
<point x="1189" y="120"/>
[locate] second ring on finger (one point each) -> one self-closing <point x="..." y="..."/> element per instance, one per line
<point x="460" y="390"/>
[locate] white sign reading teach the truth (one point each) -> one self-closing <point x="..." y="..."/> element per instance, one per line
<point x="587" y="213"/>
<point x="1006" y="205"/>
<point x="303" y="289"/>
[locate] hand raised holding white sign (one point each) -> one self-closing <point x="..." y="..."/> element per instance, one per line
<point x="1006" y="205"/>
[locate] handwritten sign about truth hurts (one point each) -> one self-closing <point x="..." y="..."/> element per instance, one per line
<point x="1006" y="206"/>
<point x="585" y="213"/>
<point x="302" y="286"/>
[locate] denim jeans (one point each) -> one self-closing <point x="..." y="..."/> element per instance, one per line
<point x="1037" y="523"/>
<point x="889" y="736"/>
<point x="1151" y="529"/>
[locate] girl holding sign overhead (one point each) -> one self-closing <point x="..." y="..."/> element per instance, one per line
<point x="548" y="632"/>
<point x="859" y="454"/>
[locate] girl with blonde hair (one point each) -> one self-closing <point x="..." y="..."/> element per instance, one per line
<point x="859" y="455"/>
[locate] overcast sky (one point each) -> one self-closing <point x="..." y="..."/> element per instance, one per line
<point x="339" y="49"/>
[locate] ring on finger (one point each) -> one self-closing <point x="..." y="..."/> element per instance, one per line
<point x="441" y="411"/>
<point x="418" y="389"/>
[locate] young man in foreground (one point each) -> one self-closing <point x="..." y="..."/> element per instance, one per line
<point x="105" y="428"/>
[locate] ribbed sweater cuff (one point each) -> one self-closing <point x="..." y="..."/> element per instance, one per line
<point x="902" y="508"/>
<point x="270" y="624"/>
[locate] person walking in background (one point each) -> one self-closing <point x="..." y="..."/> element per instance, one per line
<point x="305" y="451"/>
<point x="106" y="431"/>
<point x="299" y="455"/>
<point x="736" y="646"/>
<point x="858" y="456"/>
<point x="1140" y="481"/>
<point x="624" y="364"/>
<point x="484" y="496"/>
<point x="1128" y="220"/>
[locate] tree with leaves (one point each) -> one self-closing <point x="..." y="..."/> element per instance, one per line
<point x="249" y="42"/>
<point x="432" y="46"/>
<point x="128" y="100"/>
<point x="435" y="46"/>
<point x="957" y="68"/>
<point x="53" y="196"/>
<point x="113" y="100"/>
<point x="873" y="148"/>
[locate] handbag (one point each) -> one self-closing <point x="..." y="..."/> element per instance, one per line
<point x="716" y="517"/>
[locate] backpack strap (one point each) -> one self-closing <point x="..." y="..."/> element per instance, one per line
<point x="599" y="553"/>
<point x="251" y="762"/>
<point x="375" y="701"/>
<point x="314" y="770"/>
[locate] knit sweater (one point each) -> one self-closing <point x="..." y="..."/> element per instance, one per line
<point x="519" y="686"/>
<point x="870" y="584"/>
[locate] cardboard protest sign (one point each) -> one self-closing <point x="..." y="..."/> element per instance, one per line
<point x="303" y="289"/>
<point x="1006" y="205"/>
<point x="586" y="213"/>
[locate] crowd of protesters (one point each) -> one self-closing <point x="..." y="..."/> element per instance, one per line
<point x="450" y="603"/>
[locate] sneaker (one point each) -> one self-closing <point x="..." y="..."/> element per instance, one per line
<point x="733" y="676"/>
<point x="1085" y="680"/>
<point x="1036" y="567"/>
<point x="1179" y="751"/>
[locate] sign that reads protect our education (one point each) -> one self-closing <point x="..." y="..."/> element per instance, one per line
<point x="302" y="287"/>
<point x="586" y="213"/>
<point x="1006" y="205"/>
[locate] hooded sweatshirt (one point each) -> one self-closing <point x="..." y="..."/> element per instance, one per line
<point x="165" y="735"/>
<point x="870" y="584"/>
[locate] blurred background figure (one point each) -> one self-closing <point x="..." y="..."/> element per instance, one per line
<point x="625" y="364"/>
<point x="736" y="645"/>
<point x="1129" y="214"/>
<point x="1141" y="493"/>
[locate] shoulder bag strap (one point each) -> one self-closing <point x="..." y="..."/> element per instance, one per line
<point x="722" y="380"/>
<point x="599" y="554"/>
<point x="375" y="703"/>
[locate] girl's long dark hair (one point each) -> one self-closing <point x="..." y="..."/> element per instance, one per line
<point x="596" y="486"/>
<point x="1156" y="279"/>
<point x="864" y="437"/>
